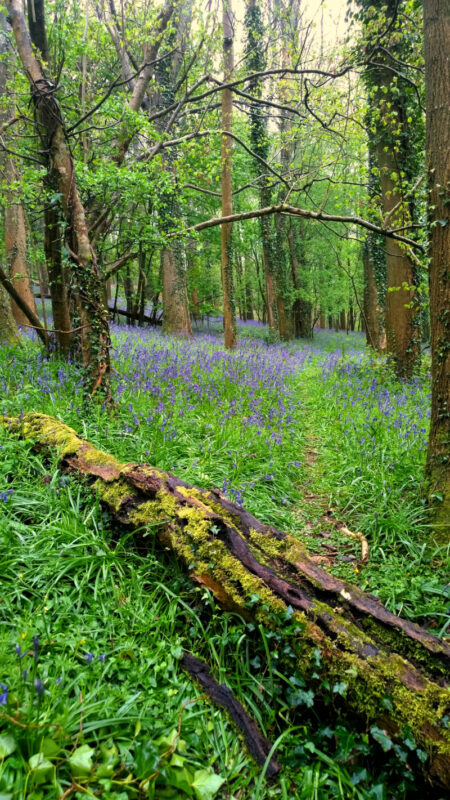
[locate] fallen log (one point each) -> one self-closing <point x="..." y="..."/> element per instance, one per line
<point x="396" y="673"/>
<point x="257" y="744"/>
<point x="151" y="320"/>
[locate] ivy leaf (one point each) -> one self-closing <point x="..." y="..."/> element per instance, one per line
<point x="382" y="738"/>
<point x="7" y="745"/>
<point x="81" y="760"/>
<point x="41" y="767"/>
<point x="206" y="784"/>
<point x="146" y="759"/>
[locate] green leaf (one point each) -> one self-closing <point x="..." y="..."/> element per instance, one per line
<point x="181" y="779"/>
<point x="41" y="767"/>
<point x="81" y="760"/>
<point x="146" y="759"/>
<point x="50" y="748"/>
<point x="7" y="745"/>
<point x="381" y="737"/>
<point x="206" y="784"/>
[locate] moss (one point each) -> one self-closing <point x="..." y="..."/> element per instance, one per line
<point x="148" y="513"/>
<point x="403" y="644"/>
<point x="145" y="469"/>
<point x="92" y="456"/>
<point x="205" y="498"/>
<point x="41" y="427"/>
<point x="168" y="503"/>
<point x="114" y="493"/>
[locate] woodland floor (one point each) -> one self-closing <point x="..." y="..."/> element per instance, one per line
<point x="309" y="436"/>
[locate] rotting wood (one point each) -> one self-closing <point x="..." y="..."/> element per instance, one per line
<point x="267" y="575"/>
<point x="258" y="746"/>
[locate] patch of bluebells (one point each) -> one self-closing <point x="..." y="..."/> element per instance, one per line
<point x="380" y="416"/>
<point x="171" y="387"/>
<point x="181" y="383"/>
<point x="39" y="686"/>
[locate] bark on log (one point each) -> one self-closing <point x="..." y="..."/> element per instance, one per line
<point x="263" y="573"/>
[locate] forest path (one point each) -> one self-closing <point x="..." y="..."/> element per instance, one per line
<point x="324" y="528"/>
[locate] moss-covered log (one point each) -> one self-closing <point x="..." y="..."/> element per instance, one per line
<point x="396" y="672"/>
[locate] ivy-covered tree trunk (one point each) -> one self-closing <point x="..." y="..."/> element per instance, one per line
<point x="402" y="318"/>
<point x="229" y="313"/>
<point x="391" y="41"/>
<point x="260" y="144"/>
<point x="373" y="310"/>
<point x="301" y="307"/>
<point x="391" y="673"/>
<point x="87" y="282"/>
<point x="57" y="278"/>
<point x="176" y="316"/>
<point x="437" y="76"/>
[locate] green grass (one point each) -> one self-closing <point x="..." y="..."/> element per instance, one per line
<point x="107" y="726"/>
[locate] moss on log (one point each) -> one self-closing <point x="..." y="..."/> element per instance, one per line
<point x="266" y="574"/>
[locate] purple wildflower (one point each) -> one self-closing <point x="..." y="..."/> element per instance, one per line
<point x="3" y="695"/>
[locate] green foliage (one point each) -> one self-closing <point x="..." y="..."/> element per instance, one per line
<point x="113" y="615"/>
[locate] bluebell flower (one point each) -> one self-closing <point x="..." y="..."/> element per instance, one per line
<point x="39" y="686"/>
<point x="89" y="658"/>
<point x="101" y="657"/>
<point x="3" y="695"/>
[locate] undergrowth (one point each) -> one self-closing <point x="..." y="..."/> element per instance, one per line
<point x="93" y="701"/>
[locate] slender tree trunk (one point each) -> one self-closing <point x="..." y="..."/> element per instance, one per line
<point x="52" y="213"/>
<point x="37" y="27"/>
<point x="437" y="80"/>
<point x="16" y="246"/>
<point x="229" y="313"/>
<point x="57" y="278"/>
<point x="14" y="215"/>
<point x="86" y="278"/>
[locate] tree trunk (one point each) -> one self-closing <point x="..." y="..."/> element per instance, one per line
<point x="176" y="318"/>
<point x="260" y="572"/>
<point x="16" y="246"/>
<point x="437" y="80"/>
<point x="38" y="30"/>
<point x="14" y="215"/>
<point x="373" y="312"/>
<point x="301" y="308"/>
<point x="8" y="327"/>
<point x="229" y="313"/>
<point x="402" y="335"/>
<point x="57" y="279"/>
<point x="86" y="278"/>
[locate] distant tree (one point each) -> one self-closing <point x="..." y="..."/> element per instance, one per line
<point x="229" y="311"/>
